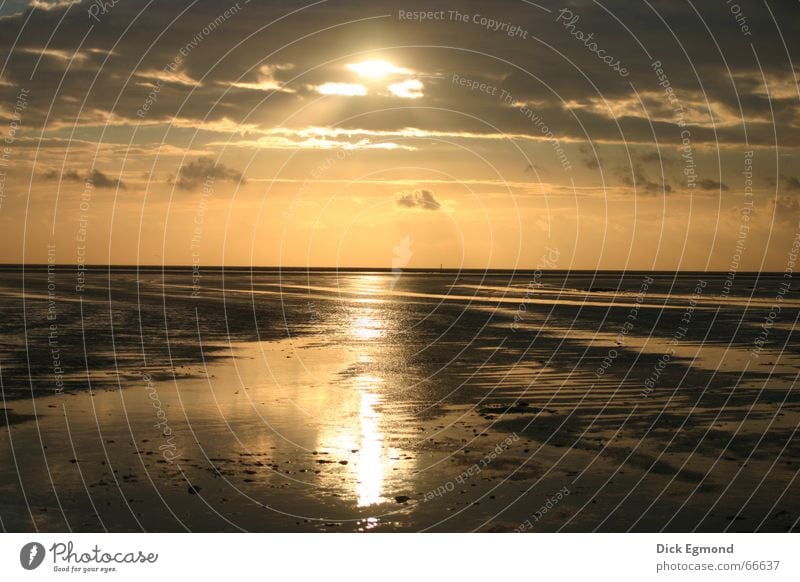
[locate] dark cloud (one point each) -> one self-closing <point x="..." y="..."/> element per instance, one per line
<point x="576" y="95"/>
<point x="536" y="168"/>
<point x="423" y="199"/>
<point x="636" y="178"/>
<point x="785" y="208"/>
<point x="656" y="158"/>
<point x="96" y="178"/>
<point x="589" y="159"/>
<point x="706" y="184"/>
<point x="792" y="184"/>
<point x="195" y="173"/>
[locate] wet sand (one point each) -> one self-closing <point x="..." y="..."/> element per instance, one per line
<point x="371" y="402"/>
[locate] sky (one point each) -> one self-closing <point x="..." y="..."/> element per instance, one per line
<point x="611" y="135"/>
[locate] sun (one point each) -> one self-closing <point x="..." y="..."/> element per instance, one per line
<point x="377" y="68"/>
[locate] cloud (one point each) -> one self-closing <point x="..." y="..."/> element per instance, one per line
<point x="423" y="199"/>
<point x="638" y="179"/>
<point x="607" y="110"/>
<point x="265" y="79"/>
<point x="707" y="184"/>
<point x="52" y="4"/>
<point x="97" y="178"/>
<point x="785" y="208"/>
<point x="535" y="168"/>
<point x="195" y="173"/>
<point x="408" y="89"/>
<point x="657" y="158"/>
<point x="591" y="159"/>
<point x="792" y="184"/>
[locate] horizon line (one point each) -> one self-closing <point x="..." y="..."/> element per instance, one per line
<point x="162" y="267"/>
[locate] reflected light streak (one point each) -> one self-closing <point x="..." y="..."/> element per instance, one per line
<point x="370" y="464"/>
<point x="366" y="328"/>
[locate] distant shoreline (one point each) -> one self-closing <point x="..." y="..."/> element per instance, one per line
<point x="10" y="267"/>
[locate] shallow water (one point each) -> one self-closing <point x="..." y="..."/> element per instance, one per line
<point x="360" y="401"/>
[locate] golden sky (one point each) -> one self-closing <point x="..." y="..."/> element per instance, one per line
<point x="652" y="135"/>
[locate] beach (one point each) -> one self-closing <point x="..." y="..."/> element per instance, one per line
<point x="371" y="401"/>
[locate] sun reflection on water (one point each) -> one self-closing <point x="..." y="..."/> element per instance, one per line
<point x="360" y="430"/>
<point x="365" y="327"/>
<point x="368" y="284"/>
<point x="370" y="463"/>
